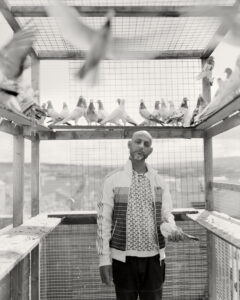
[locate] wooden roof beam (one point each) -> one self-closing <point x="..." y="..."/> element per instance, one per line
<point x="129" y="11"/>
<point x="81" y="55"/>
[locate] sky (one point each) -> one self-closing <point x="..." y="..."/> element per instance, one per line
<point x="54" y="85"/>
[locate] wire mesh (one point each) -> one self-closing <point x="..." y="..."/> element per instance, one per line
<point x="144" y="33"/>
<point x="227" y="270"/>
<point x="226" y="165"/>
<point x="69" y="266"/>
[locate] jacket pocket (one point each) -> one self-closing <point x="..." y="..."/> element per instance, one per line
<point x="115" y="225"/>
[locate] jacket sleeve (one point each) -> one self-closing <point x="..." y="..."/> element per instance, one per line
<point x="104" y="222"/>
<point x="167" y="206"/>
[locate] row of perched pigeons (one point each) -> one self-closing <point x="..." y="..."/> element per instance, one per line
<point x="161" y="115"/>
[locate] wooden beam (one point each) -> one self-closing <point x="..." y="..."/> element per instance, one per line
<point x="20" y="280"/>
<point x="18" y="180"/>
<point x="35" y="274"/>
<point x="8" y="127"/>
<point x="220" y="225"/>
<point x="222" y="113"/>
<point x="21" y="240"/>
<point x="118" y="132"/>
<point x="226" y="186"/>
<point x="130" y="11"/>
<point x="223" y="126"/>
<point x="211" y="255"/>
<point x="12" y="22"/>
<point x="90" y="217"/>
<point x="132" y="55"/>
<point x="5" y="288"/>
<point x="17" y="118"/>
<point x="35" y="173"/>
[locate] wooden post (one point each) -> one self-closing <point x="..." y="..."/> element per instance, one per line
<point x="35" y="264"/>
<point x="35" y="274"/>
<point x="20" y="280"/>
<point x="35" y="75"/>
<point x="35" y="169"/>
<point x="18" y="180"/>
<point x="208" y="172"/>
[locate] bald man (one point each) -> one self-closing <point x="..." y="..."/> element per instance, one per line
<point x="134" y="203"/>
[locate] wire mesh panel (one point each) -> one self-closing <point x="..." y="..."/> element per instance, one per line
<point x="69" y="266"/>
<point x="226" y="170"/>
<point x="227" y="270"/>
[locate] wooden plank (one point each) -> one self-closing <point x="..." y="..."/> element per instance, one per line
<point x="35" y="173"/>
<point x="132" y="55"/>
<point x="90" y="217"/>
<point x="18" y="242"/>
<point x="5" y="288"/>
<point x="223" y="126"/>
<point x="35" y="274"/>
<point x="18" y="180"/>
<point x="221" y="225"/>
<point x="226" y="186"/>
<point x="17" y="118"/>
<point x="222" y="113"/>
<point x="20" y="280"/>
<point x="8" y="127"/>
<point x="115" y="132"/>
<point x="211" y="255"/>
<point x="130" y="11"/>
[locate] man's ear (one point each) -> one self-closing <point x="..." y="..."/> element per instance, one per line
<point x="151" y="150"/>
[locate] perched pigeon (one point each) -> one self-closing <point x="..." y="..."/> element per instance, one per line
<point x="147" y="115"/>
<point x="201" y="104"/>
<point x="181" y="115"/>
<point x="207" y="70"/>
<point x="116" y="115"/>
<point x="91" y="115"/>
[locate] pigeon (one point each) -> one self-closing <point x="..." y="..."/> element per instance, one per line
<point x="102" y="114"/>
<point x="171" y="110"/>
<point x="201" y="104"/>
<point x="91" y="114"/>
<point x="62" y="115"/>
<point x="125" y="117"/>
<point x="181" y="115"/>
<point x="228" y="72"/>
<point x="230" y="86"/>
<point x="164" y="110"/>
<point x="116" y="115"/>
<point x="207" y="70"/>
<point x="145" y="114"/>
<point x="220" y="83"/>
<point x="77" y="113"/>
<point x="13" y="55"/>
<point x="52" y="113"/>
<point x="156" y="112"/>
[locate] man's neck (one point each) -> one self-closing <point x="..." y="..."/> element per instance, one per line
<point x="139" y="166"/>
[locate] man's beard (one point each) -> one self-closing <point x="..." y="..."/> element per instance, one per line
<point x="138" y="155"/>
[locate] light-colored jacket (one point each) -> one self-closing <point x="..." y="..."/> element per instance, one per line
<point x="112" y="212"/>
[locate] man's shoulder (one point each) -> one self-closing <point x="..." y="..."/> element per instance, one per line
<point x="114" y="173"/>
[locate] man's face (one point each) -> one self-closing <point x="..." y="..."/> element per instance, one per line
<point x="140" y="146"/>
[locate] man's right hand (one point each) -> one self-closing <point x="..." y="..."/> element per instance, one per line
<point x="106" y="274"/>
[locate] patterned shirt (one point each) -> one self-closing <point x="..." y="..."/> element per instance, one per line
<point x="141" y="229"/>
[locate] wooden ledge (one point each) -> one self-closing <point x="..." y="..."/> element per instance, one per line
<point x="18" y="242"/>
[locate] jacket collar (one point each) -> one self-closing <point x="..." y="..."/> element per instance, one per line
<point x="128" y="168"/>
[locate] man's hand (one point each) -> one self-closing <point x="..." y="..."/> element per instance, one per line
<point x="177" y="235"/>
<point x="106" y="274"/>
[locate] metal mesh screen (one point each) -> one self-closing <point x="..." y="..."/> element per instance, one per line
<point x="163" y="34"/>
<point x="227" y="270"/>
<point x="226" y="169"/>
<point x="69" y="266"/>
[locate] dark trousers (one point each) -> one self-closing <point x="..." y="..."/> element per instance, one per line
<point x="139" y="276"/>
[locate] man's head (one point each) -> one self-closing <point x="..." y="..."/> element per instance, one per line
<point x="140" y="146"/>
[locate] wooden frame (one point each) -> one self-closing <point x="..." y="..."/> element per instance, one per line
<point x="129" y="11"/>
